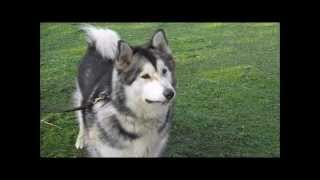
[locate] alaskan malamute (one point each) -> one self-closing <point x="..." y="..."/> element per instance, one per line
<point x="139" y="82"/>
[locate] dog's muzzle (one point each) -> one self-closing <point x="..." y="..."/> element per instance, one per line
<point x="168" y="94"/>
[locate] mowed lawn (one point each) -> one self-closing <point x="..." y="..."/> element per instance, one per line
<point x="228" y="90"/>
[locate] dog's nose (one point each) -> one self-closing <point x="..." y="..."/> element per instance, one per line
<point x="168" y="93"/>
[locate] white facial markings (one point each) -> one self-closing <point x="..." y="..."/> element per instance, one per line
<point x="158" y="82"/>
<point x="153" y="91"/>
<point x="148" y="69"/>
<point x="166" y="79"/>
<point x="149" y="89"/>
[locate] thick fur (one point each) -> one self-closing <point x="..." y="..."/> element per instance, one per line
<point x="140" y="81"/>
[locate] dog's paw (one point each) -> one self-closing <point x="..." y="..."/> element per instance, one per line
<point x="80" y="142"/>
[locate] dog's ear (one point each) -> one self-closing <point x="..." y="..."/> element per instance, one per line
<point x="124" y="56"/>
<point x="160" y="42"/>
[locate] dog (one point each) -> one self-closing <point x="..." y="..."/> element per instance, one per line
<point x="140" y="84"/>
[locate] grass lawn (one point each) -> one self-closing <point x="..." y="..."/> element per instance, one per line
<point x="228" y="90"/>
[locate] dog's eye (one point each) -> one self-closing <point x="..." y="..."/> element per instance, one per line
<point x="146" y="76"/>
<point x="164" y="71"/>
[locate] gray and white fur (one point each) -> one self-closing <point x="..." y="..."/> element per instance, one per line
<point x="140" y="81"/>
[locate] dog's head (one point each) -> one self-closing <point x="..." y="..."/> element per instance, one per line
<point x="146" y="73"/>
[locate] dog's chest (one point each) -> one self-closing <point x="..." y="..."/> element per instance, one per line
<point x="151" y="141"/>
<point x="107" y="140"/>
<point x="149" y="145"/>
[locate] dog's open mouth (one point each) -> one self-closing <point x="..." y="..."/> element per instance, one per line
<point x="160" y="102"/>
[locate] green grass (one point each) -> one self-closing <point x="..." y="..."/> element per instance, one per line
<point x="228" y="87"/>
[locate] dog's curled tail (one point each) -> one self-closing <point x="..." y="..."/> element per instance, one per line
<point x="104" y="40"/>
